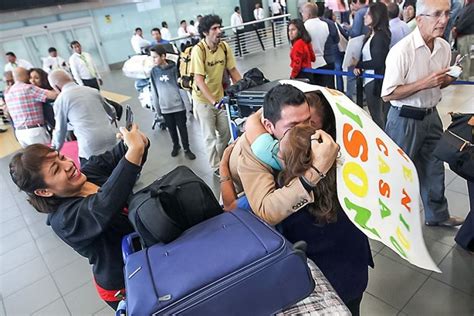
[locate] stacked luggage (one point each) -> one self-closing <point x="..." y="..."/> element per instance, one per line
<point x="231" y="264"/>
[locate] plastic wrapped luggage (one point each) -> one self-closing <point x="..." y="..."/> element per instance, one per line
<point x="231" y="264"/>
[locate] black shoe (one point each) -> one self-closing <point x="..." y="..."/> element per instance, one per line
<point x="175" y="151"/>
<point x="189" y="154"/>
<point x="217" y="173"/>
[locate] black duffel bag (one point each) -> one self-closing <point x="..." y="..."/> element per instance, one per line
<point x="177" y="201"/>
<point x="456" y="146"/>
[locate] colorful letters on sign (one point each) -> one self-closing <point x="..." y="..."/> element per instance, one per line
<point x="377" y="183"/>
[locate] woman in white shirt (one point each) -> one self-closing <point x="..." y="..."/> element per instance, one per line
<point x="374" y="52"/>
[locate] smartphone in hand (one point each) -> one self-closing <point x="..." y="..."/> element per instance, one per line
<point x="128" y="117"/>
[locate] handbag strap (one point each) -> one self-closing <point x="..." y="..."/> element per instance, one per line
<point x="466" y="142"/>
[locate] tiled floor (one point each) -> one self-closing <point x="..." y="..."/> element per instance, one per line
<point x="40" y="275"/>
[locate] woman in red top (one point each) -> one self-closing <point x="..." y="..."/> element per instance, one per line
<point x="301" y="53"/>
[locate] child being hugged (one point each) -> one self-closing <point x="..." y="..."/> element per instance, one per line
<point x="167" y="100"/>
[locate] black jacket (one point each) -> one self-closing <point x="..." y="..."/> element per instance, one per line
<point x="94" y="226"/>
<point x="339" y="249"/>
<point x="465" y="22"/>
<point x="379" y="47"/>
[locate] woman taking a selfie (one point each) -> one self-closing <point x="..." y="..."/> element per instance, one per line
<point x="86" y="208"/>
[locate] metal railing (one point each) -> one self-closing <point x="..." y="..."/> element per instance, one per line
<point x="256" y="36"/>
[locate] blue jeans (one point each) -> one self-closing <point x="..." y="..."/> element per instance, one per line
<point x="418" y="139"/>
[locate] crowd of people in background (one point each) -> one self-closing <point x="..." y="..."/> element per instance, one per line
<point x="404" y="41"/>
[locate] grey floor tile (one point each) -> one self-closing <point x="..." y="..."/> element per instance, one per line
<point x="22" y="276"/>
<point x="372" y="306"/>
<point x="436" y="249"/>
<point x="8" y="213"/>
<point x="32" y="216"/>
<point x="60" y="257"/>
<point x="106" y="311"/>
<point x="458" y="185"/>
<point x="375" y="245"/>
<point x="32" y="297"/>
<point x="449" y="176"/>
<point x="392" y="282"/>
<point x="11" y="226"/>
<point x="73" y="275"/>
<point x="444" y="235"/>
<point x="14" y="240"/>
<point x="56" y="308"/>
<point x="3" y="312"/>
<point x="84" y="300"/>
<point x="7" y="200"/>
<point x="436" y="298"/>
<point x="48" y="241"/>
<point x="39" y="229"/>
<point x="458" y="204"/>
<point x="18" y="256"/>
<point x="458" y="270"/>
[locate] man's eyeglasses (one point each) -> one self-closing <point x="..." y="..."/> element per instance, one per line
<point x="437" y="15"/>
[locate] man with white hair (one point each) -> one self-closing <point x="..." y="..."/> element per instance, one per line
<point x="25" y="105"/>
<point x="82" y="108"/>
<point x="416" y="71"/>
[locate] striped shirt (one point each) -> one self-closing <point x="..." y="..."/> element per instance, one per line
<point x="25" y="104"/>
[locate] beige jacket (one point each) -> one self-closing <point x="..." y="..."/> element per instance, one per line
<point x="257" y="180"/>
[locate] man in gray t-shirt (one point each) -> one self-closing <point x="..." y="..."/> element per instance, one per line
<point x="82" y="108"/>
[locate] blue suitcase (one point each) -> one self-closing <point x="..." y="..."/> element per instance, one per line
<point x="231" y="264"/>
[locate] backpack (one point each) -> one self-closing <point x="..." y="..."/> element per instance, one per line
<point x="170" y="205"/>
<point x="186" y="77"/>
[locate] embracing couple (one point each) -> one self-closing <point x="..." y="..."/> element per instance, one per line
<point x="284" y="163"/>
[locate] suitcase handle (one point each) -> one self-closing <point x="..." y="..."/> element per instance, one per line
<point x="127" y="245"/>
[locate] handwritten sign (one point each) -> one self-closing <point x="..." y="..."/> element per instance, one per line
<point x="377" y="183"/>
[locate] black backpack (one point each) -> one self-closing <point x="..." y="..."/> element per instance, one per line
<point x="177" y="201"/>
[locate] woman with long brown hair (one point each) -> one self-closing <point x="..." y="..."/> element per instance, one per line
<point x="335" y="244"/>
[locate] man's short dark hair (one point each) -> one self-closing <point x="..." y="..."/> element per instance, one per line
<point x="182" y="21"/>
<point x="10" y="54"/>
<point x="393" y="10"/>
<point x="278" y="97"/>
<point x="52" y="49"/>
<point x="74" y="43"/>
<point x="159" y="50"/>
<point x="207" y="22"/>
<point x="138" y="29"/>
<point x="155" y="29"/>
<point x="164" y="24"/>
<point x="236" y="9"/>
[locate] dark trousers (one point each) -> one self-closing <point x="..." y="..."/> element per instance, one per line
<point x="465" y="235"/>
<point x="177" y="121"/>
<point x="378" y="109"/>
<point x="93" y="83"/>
<point x="325" y="80"/>
<point x="354" y="306"/>
<point x="240" y="46"/>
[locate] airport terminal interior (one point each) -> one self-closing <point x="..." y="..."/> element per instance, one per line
<point x="41" y="275"/>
